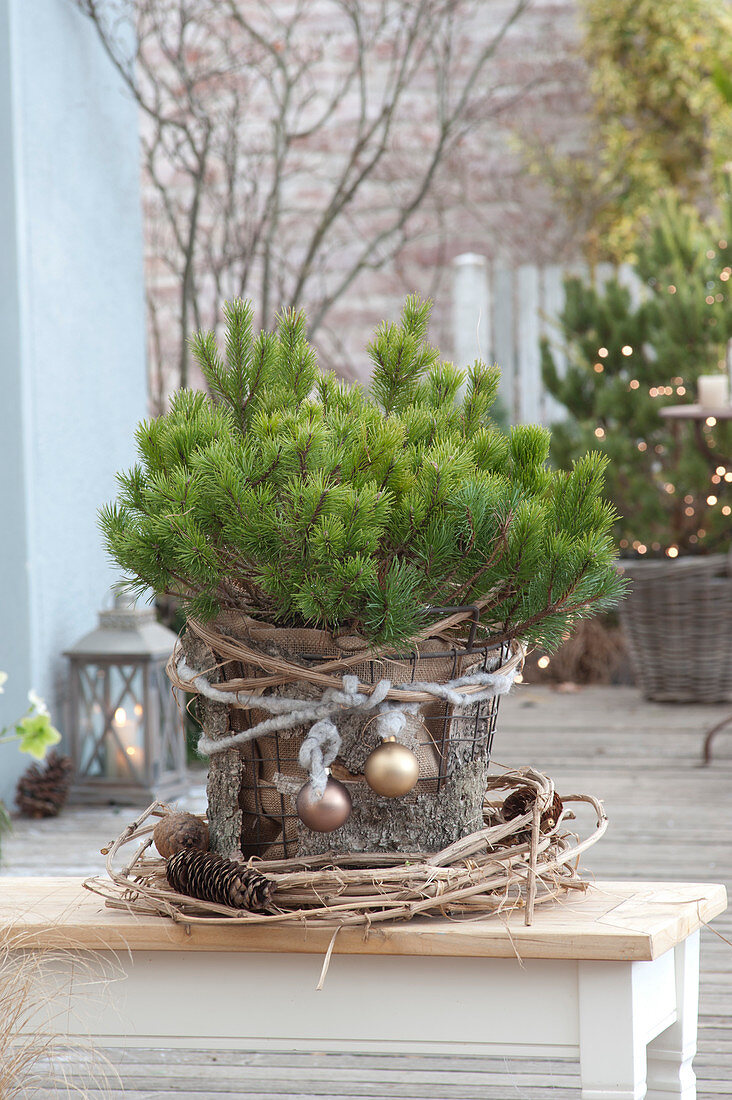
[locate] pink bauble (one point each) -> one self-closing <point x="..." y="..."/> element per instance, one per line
<point x="327" y="813"/>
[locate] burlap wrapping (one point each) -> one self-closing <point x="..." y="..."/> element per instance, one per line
<point x="272" y="775"/>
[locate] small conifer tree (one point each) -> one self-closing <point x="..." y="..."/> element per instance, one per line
<point x="628" y="359"/>
<point x="306" y="501"/>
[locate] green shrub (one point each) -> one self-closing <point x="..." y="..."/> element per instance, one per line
<point x="304" y="500"/>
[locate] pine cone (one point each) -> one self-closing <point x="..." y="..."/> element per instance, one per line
<point x="176" y="832"/>
<point x="210" y="877"/>
<point x="521" y="801"/>
<point x="43" y="788"/>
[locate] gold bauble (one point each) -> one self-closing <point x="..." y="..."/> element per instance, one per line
<point x="325" y="814"/>
<point x="392" y="769"/>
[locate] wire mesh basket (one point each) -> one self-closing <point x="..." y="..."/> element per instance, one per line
<point x="452" y="745"/>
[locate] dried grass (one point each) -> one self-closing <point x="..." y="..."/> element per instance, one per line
<point x="504" y="866"/>
<point x="38" y="990"/>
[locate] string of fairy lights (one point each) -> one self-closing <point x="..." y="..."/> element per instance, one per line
<point x="678" y="388"/>
<point x="722" y="475"/>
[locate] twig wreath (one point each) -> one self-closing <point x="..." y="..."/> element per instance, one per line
<point x="506" y="865"/>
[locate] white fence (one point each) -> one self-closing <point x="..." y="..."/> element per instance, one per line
<point x="500" y="314"/>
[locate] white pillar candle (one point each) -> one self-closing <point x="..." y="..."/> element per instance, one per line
<point x="713" y="391"/>
<point x="128" y="735"/>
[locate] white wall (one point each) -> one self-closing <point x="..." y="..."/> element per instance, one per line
<point x="72" y="361"/>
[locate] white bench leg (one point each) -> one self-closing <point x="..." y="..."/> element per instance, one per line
<point x="670" y="1076"/>
<point x="612" y="1045"/>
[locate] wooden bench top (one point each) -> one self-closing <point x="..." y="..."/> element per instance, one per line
<point x="611" y="920"/>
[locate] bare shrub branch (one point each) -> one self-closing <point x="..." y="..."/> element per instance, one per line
<point x="290" y="146"/>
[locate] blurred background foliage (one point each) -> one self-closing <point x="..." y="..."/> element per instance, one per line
<point x="658" y="119"/>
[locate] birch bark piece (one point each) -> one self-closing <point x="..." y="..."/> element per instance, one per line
<point x="224" y="768"/>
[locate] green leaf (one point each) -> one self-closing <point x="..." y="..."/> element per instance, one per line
<point x="723" y="82"/>
<point x="37" y="735"/>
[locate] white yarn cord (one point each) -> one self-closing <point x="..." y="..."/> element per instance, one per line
<point x="318" y="750"/>
<point x="320" y="747"/>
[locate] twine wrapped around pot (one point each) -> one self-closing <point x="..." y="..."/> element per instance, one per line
<point x="505" y="865"/>
<point x="261" y="689"/>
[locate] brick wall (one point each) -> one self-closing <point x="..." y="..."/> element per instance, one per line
<point x="482" y="197"/>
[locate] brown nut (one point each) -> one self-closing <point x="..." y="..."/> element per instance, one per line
<point x="178" y="832"/>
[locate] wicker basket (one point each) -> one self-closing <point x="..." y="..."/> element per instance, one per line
<point x="678" y="621"/>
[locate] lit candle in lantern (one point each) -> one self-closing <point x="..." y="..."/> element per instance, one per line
<point x="713" y="390"/>
<point x="128" y="731"/>
<point x="125" y="730"/>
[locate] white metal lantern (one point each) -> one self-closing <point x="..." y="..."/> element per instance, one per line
<point x="126" y="729"/>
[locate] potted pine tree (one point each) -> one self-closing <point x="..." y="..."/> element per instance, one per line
<point x="628" y="357"/>
<point x="358" y="570"/>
